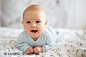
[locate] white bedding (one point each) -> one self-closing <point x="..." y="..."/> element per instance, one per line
<point x="71" y="43"/>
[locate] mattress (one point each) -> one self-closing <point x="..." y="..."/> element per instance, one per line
<point x="70" y="43"/>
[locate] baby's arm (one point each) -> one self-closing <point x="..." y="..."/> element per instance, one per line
<point x="22" y="44"/>
<point x="38" y="50"/>
<point x="50" y="43"/>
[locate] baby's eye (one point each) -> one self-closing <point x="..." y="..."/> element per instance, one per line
<point x="37" y="21"/>
<point x="28" y="22"/>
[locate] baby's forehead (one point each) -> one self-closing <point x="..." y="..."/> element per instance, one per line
<point x="34" y="8"/>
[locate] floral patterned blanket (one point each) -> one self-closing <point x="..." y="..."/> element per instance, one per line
<point x="71" y="43"/>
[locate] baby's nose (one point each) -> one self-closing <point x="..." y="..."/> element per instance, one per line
<point x="33" y="25"/>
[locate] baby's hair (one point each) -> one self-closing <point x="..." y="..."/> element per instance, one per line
<point x="34" y="8"/>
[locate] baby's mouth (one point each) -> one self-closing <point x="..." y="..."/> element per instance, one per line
<point x="34" y="31"/>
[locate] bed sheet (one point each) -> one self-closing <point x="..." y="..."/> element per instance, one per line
<point x="71" y="43"/>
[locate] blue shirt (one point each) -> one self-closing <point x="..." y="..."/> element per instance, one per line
<point x="46" y="39"/>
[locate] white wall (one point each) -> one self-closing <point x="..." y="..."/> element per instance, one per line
<point x="65" y="14"/>
<point x="80" y="14"/>
<point x="73" y="14"/>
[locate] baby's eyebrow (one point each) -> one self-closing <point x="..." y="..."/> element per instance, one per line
<point x="26" y="19"/>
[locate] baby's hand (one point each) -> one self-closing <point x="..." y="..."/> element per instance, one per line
<point x="38" y="50"/>
<point x="29" y="51"/>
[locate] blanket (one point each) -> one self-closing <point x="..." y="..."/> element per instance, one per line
<point x="71" y="43"/>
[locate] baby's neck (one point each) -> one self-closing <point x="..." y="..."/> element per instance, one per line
<point x="34" y="38"/>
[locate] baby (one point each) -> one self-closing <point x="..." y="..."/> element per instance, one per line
<point x="36" y="38"/>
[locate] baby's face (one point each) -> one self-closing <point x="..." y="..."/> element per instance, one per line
<point x="34" y="23"/>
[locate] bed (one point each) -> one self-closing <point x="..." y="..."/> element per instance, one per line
<point x="71" y="43"/>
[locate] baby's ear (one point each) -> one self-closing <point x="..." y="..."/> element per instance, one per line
<point x="46" y="22"/>
<point x="22" y="22"/>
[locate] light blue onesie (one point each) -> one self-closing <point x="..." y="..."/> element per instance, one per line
<point x="46" y="39"/>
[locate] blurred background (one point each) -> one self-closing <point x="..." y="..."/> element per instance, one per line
<point x="60" y="13"/>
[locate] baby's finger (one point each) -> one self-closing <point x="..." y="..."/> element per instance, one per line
<point x="36" y="52"/>
<point x="28" y="52"/>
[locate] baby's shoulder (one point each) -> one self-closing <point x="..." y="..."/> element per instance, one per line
<point x="47" y="31"/>
<point x="23" y="33"/>
<point x="47" y="34"/>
